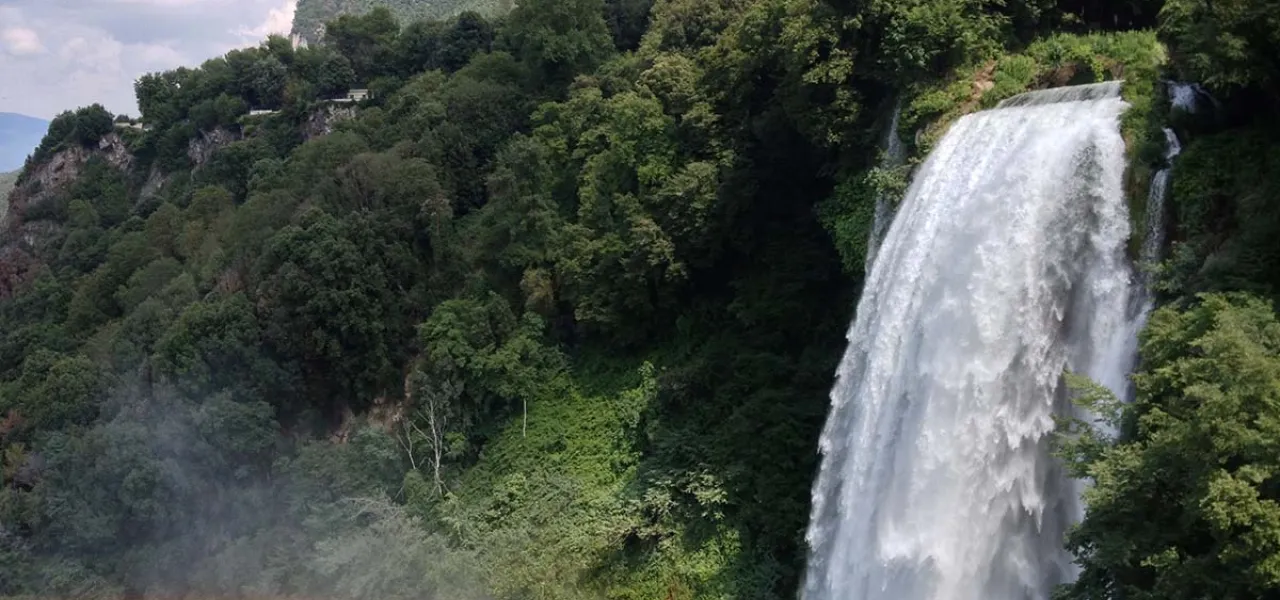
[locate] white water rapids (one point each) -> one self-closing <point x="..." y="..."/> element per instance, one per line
<point x="1004" y="266"/>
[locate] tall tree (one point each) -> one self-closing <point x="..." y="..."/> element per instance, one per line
<point x="1189" y="507"/>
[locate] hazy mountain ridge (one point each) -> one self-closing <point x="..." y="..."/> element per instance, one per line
<point x="19" y="135"/>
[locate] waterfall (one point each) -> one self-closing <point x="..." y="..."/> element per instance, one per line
<point x="1004" y="266"/>
<point x="1187" y="96"/>
<point x="894" y="155"/>
<point x="1153" y="240"/>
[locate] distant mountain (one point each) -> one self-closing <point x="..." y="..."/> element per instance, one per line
<point x="311" y="15"/>
<point x="19" y="135"/>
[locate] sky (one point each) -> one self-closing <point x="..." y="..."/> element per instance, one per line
<point x="57" y="55"/>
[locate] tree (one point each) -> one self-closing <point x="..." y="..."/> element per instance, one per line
<point x="215" y="346"/>
<point x="418" y="47"/>
<point x="436" y="402"/>
<point x="1187" y="507"/>
<point x="562" y="37"/>
<point x="627" y="20"/>
<point x="368" y="41"/>
<point x="157" y="99"/>
<point x="329" y="71"/>
<point x="1225" y="44"/>
<point x="56" y="391"/>
<point x="334" y="307"/>
<point x="479" y="116"/>
<point x="467" y="35"/>
<point x="267" y="77"/>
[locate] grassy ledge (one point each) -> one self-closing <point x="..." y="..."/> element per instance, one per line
<point x="1137" y="57"/>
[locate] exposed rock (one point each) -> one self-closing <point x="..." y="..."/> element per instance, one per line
<point x="22" y="242"/>
<point x="151" y="188"/>
<point x="201" y="149"/>
<point x="322" y="120"/>
<point x="54" y="176"/>
<point x="7" y="181"/>
<point x="17" y="268"/>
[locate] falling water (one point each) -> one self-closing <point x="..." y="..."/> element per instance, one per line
<point x="1153" y="239"/>
<point x="1004" y="266"/>
<point x="894" y="154"/>
<point x="1187" y="96"/>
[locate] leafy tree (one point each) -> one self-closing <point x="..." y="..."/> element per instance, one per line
<point x="478" y="116"/>
<point x="467" y="35"/>
<point x="331" y="306"/>
<point x="84" y="127"/>
<point x="56" y="391"/>
<point x="1186" y="508"/>
<point x="329" y="71"/>
<point x="418" y="47"/>
<point x="627" y="20"/>
<point x="213" y="346"/>
<point x="367" y="41"/>
<point x="1225" y="44"/>
<point x="562" y="37"/>
<point x="230" y="166"/>
<point x="94" y="300"/>
<point x="496" y="358"/>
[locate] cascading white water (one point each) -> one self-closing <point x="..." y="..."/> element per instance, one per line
<point x="1153" y="239"/>
<point x="1187" y="96"/>
<point x="894" y="155"/>
<point x="1004" y="266"/>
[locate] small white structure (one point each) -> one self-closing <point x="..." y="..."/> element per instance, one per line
<point x="353" y="95"/>
<point x="262" y="111"/>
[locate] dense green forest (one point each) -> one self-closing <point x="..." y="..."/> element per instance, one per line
<point x="311" y="16"/>
<point x="555" y="312"/>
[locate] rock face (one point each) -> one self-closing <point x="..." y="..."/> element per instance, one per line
<point x="23" y="242"/>
<point x="322" y="120"/>
<point x="156" y="181"/>
<point x="6" y="185"/>
<point x="46" y="181"/>
<point x="201" y="149"/>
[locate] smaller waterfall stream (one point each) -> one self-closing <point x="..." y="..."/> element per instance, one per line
<point x="1153" y="241"/>
<point x="894" y="155"/>
<point x="1187" y="97"/>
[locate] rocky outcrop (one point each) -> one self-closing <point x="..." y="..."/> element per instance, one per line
<point x="322" y="120"/>
<point x="23" y="242"/>
<point x="6" y="185"/>
<point x="201" y="149"/>
<point x="156" y="181"/>
<point x="46" y="181"/>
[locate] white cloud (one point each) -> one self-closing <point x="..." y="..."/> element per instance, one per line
<point x="20" y="41"/>
<point x="70" y="53"/>
<point x="279" y="20"/>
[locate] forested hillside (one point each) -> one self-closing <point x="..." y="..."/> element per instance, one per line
<point x="555" y="312"/>
<point x="311" y="16"/>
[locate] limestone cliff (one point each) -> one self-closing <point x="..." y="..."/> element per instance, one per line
<point x="22" y="241"/>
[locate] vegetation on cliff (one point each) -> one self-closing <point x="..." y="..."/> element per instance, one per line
<point x="555" y="313"/>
